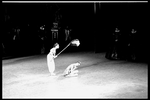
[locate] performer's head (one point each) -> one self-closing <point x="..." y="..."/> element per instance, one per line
<point x="56" y="45"/>
<point x="78" y="63"/>
<point x="133" y="31"/>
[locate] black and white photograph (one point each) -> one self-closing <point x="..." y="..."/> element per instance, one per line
<point x="74" y="49"/>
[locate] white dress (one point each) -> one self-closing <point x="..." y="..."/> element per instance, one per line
<point x="50" y="60"/>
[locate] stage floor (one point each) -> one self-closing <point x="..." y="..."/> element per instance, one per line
<point x="98" y="77"/>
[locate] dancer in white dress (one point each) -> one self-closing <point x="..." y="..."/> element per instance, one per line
<point x="50" y="59"/>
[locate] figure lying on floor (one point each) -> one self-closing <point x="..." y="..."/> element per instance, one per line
<point x="71" y="69"/>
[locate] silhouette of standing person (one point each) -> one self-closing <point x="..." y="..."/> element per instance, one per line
<point x="50" y="59"/>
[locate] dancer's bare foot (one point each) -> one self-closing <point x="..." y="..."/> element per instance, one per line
<point x="52" y="74"/>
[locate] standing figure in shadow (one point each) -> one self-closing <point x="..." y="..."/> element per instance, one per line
<point x="114" y="50"/>
<point x="132" y="46"/>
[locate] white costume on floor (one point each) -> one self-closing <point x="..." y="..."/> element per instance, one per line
<point x="71" y="70"/>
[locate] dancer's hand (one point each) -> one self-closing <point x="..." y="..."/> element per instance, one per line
<point x="55" y="56"/>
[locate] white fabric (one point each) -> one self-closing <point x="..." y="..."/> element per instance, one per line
<point x="50" y="60"/>
<point x="71" y="69"/>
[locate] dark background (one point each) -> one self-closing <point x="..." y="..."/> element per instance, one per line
<point x="93" y="28"/>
